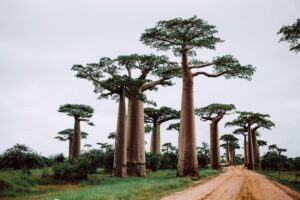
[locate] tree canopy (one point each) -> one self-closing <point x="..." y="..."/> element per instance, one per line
<point x="184" y="35"/>
<point x="291" y="34"/>
<point x="67" y="134"/>
<point x="174" y="126"/>
<point x="228" y="138"/>
<point x="246" y="119"/>
<point x="213" y="111"/>
<point x="160" y="115"/>
<point x="83" y="112"/>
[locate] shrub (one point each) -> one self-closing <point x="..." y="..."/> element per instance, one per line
<point x="153" y="161"/>
<point x="96" y="157"/>
<point x="72" y="170"/>
<point x="21" y="157"/>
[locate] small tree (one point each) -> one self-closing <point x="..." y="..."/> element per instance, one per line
<point x="157" y="117"/>
<point x="230" y="140"/>
<point x="214" y="113"/>
<point x="183" y="36"/>
<point x="67" y="135"/>
<point x="80" y="113"/>
<point x="291" y="34"/>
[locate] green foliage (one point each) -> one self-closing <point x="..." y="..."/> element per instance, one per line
<point x="203" y="155"/>
<point x="84" y="112"/>
<point x="291" y="34"/>
<point x="153" y="161"/>
<point x="21" y="157"/>
<point x="261" y="143"/>
<point x="174" y="126"/>
<point x="59" y="158"/>
<point x="230" y="67"/>
<point x="248" y="119"/>
<point x="228" y="138"/>
<point x="161" y="115"/>
<point x="179" y="33"/>
<point x="214" y="110"/>
<point x="169" y="156"/>
<point x="76" y="169"/>
<point x="67" y="134"/>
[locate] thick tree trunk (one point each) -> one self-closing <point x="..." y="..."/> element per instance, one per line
<point x="187" y="160"/>
<point x="120" y="160"/>
<point x="155" y="138"/>
<point x="255" y="150"/>
<point x="250" y="151"/>
<point x="245" y="151"/>
<point x="136" y="147"/>
<point x="227" y="153"/>
<point x="70" y="148"/>
<point x="76" y="138"/>
<point x="215" y="162"/>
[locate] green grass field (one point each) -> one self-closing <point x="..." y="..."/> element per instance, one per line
<point x="285" y="177"/>
<point x="99" y="186"/>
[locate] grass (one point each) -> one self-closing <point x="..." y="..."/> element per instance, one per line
<point x="286" y="178"/>
<point x="102" y="186"/>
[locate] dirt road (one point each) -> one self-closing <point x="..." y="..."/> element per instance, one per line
<point x="237" y="184"/>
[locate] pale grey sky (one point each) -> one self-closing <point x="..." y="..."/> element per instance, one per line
<point x="41" y="40"/>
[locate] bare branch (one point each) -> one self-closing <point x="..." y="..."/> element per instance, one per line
<point x="209" y="75"/>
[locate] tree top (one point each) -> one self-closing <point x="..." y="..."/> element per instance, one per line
<point x="181" y="34"/>
<point x="84" y="112"/>
<point x="248" y="119"/>
<point x="160" y="115"/>
<point x="214" y="111"/>
<point x="228" y="137"/>
<point x="67" y="134"/>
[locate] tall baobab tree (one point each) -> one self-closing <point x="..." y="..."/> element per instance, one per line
<point x="67" y="135"/>
<point x="183" y="36"/>
<point x="156" y="117"/>
<point x="121" y="71"/>
<point x="291" y="34"/>
<point x="81" y="113"/>
<point x="242" y="131"/>
<point x="251" y="122"/>
<point x="214" y="113"/>
<point x="229" y="139"/>
<point x="108" y="82"/>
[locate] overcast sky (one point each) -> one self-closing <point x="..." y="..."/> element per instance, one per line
<point x="41" y="40"/>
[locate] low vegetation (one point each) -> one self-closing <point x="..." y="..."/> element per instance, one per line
<point x="100" y="185"/>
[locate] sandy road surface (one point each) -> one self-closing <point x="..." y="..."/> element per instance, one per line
<point x="237" y="184"/>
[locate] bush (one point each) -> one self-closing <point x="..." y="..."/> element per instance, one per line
<point x="153" y="161"/>
<point x="72" y="170"/>
<point x="21" y="157"/>
<point x="96" y="157"/>
<point x="108" y="161"/>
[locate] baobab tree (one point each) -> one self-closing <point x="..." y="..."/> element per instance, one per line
<point x="291" y="34"/>
<point x="67" y="135"/>
<point x="229" y="139"/>
<point x="156" y="117"/>
<point x="133" y="88"/>
<point x="81" y="113"/>
<point x="144" y="65"/>
<point x="242" y="131"/>
<point x="183" y="36"/>
<point x="108" y="82"/>
<point x="251" y="122"/>
<point x="214" y="113"/>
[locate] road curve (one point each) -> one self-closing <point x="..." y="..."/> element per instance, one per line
<point x="237" y="184"/>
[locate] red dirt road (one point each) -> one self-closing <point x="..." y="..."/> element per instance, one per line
<point x="237" y="184"/>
